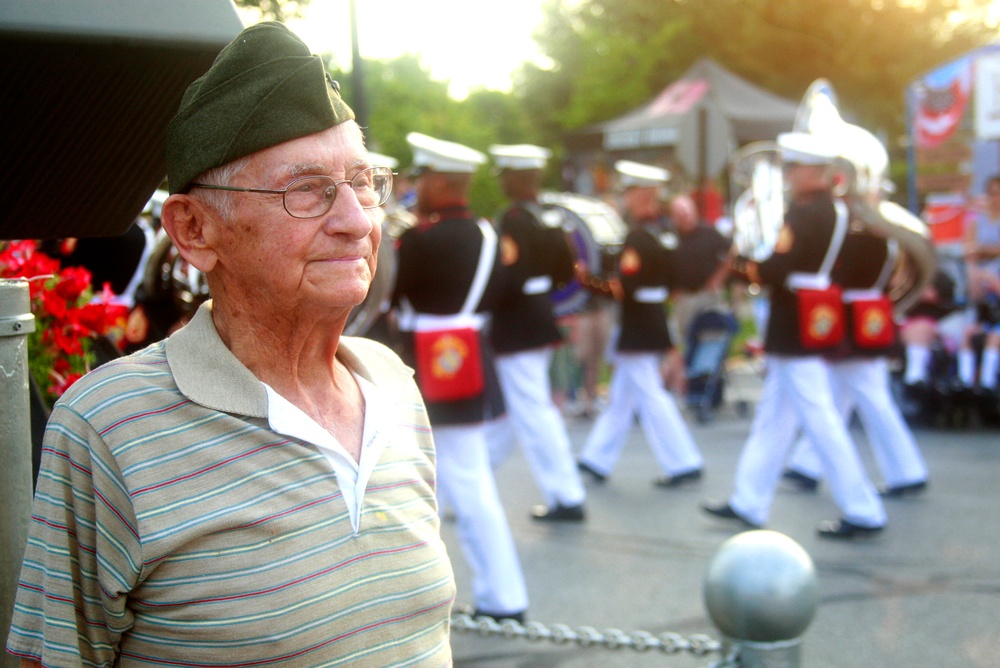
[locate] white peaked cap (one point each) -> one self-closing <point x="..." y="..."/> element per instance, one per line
<point x="382" y="160"/>
<point x="635" y="174"/>
<point x="806" y="149"/>
<point x="519" y="156"/>
<point x="443" y="156"/>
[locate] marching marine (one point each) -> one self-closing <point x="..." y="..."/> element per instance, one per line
<point x="644" y="274"/>
<point x="805" y="321"/>
<point x="447" y="282"/>
<point x="536" y="258"/>
<point x="859" y="372"/>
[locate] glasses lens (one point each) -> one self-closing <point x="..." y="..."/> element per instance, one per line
<point x="310" y="196"/>
<point x="372" y="186"/>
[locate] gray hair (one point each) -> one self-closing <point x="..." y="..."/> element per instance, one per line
<point x="223" y="201"/>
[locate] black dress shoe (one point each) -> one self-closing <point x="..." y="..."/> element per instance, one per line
<point x="845" y="529"/>
<point x="594" y="474"/>
<point x="679" y="479"/>
<point x="726" y="512"/>
<point x="558" y="513"/>
<point x="897" y="491"/>
<point x="799" y="480"/>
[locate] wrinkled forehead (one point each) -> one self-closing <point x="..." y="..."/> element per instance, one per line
<point x="333" y="152"/>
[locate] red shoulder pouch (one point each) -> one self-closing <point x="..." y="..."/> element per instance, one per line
<point x="873" y="327"/>
<point x="449" y="364"/>
<point x="821" y="317"/>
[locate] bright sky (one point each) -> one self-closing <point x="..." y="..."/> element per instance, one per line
<point x="471" y="43"/>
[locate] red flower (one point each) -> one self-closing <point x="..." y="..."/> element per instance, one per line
<point x="100" y="317"/>
<point x="66" y="320"/>
<point x="62" y="383"/>
<point x="14" y="257"/>
<point x="90" y="317"/>
<point x="21" y="259"/>
<point x="73" y="282"/>
<point x="54" y="304"/>
<point x="67" y="339"/>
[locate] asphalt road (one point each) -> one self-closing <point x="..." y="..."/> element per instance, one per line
<point x="923" y="594"/>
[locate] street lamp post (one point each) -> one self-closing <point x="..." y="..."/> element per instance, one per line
<point x="16" y="322"/>
<point x="358" y="103"/>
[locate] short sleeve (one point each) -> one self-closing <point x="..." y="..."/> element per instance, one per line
<point x="83" y="554"/>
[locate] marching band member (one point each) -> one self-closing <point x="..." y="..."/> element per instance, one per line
<point x="536" y="258"/>
<point x="643" y="338"/>
<point x="804" y="321"/>
<point x="447" y="281"/>
<point x="859" y="373"/>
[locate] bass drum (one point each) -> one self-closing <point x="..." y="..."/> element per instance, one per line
<point x="595" y="232"/>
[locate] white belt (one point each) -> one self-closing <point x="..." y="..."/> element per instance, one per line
<point x="650" y="295"/>
<point x="861" y="295"/>
<point x="426" y="322"/>
<point x="801" y="281"/>
<point x="537" y="285"/>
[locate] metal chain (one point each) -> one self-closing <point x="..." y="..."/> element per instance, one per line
<point x="588" y="636"/>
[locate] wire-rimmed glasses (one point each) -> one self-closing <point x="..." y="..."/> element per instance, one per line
<point x="312" y="196"/>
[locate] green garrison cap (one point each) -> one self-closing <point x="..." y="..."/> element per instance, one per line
<point x="263" y="89"/>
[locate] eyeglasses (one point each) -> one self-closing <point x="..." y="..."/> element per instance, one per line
<point x="312" y="196"/>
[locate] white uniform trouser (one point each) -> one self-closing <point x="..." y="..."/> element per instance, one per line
<point x="465" y="482"/>
<point x="637" y="386"/>
<point x="538" y="425"/>
<point x="797" y="393"/>
<point x="863" y="384"/>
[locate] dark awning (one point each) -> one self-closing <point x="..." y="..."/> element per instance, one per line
<point x="88" y="87"/>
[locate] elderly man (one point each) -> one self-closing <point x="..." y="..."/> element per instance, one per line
<point x="256" y="488"/>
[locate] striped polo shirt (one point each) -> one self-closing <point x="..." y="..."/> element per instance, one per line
<point x="171" y="526"/>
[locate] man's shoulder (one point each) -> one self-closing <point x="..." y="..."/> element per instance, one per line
<point x="149" y="362"/>
<point x="121" y="381"/>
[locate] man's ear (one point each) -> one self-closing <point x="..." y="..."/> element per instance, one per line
<point x="184" y="218"/>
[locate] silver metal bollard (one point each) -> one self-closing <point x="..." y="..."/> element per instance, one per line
<point x="761" y="592"/>
<point x="16" y="322"/>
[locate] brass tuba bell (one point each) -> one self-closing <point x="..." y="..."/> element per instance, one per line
<point x="758" y="213"/>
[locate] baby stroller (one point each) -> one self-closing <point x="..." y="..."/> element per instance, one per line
<point x="708" y="341"/>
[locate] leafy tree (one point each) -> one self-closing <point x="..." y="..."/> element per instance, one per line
<point x="869" y="49"/>
<point x="612" y="55"/>
<point x="403" y="98"/>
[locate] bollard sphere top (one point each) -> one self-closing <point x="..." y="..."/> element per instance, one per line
<point x="761" y="586"/>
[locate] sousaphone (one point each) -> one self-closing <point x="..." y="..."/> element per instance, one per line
<point x="758" y="213"/>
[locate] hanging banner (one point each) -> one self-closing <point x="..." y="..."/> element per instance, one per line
<point x="987" y="102"/>
<point x="942" y="98"/>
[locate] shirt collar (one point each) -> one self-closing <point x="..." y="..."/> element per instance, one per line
<point x="208" y="373"/>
